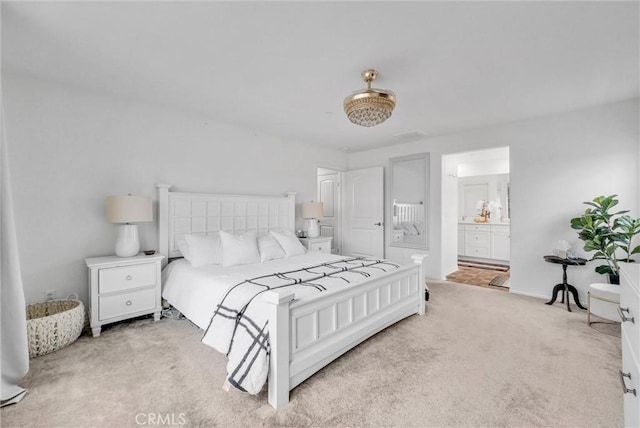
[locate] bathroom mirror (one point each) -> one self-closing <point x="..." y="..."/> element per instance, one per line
<point x="409" y="196"/>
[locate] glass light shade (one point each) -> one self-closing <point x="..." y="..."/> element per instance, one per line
<point x="369" y="107"/>
<point x="129" y="209"/>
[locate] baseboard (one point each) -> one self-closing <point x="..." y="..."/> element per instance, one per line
<point x="524" y="293"/>
<point x="481" y="260"/>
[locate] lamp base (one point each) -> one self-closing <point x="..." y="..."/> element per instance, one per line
<point x="128" y="243"/>
<point x="314" y="230"/>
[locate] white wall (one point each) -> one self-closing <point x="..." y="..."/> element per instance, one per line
<point x="557" y="162"/>
<point x="69" y="149"/>
<point x="487" y="167"/>
<point x="449" y="216"/>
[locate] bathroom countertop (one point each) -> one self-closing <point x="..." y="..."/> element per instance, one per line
<point x="494" y="223"/>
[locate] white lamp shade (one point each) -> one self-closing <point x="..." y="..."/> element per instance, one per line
<point x="312" y="210"/>
<point x="129" y="209"/>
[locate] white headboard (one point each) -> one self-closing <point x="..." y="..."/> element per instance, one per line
<point x="180" y="214"/>
<point x="408" y="212"/>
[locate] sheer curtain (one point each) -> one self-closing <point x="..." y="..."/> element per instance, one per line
<point x="13" y="327"/>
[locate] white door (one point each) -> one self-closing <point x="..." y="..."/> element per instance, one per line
<point x="364" y="213"/>
<point x="329" y="195"/>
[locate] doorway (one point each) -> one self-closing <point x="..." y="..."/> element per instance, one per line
<point x="353" y="213"/>
<point x="476" y="217"/>
<point x="329" y="192"/>
<point x="364" y="212"/>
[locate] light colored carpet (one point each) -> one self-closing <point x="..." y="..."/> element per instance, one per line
<point x="479" y="357"/>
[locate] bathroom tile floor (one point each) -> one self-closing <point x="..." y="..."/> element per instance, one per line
<point x="481" y="277"/>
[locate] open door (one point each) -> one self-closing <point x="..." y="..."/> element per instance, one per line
<point x="329" y="194"/>
<point x="364" y="213"/>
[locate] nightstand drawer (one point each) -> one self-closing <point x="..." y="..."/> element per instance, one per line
<point x="323" y="247"/>
<point x="126" y="277"/>
<point x="321" y="244"/>
<point x="127" y="303"/>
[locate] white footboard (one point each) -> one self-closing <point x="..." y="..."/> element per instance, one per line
<point x="307" y="335"/>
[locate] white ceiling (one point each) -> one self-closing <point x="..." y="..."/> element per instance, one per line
<point x="285" y="68"/>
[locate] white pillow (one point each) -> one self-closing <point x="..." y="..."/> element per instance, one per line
<point x="239" y="249"/>
<point x="269" y="248"/>
<point x="289" y="242"/>
<point x="409" y="228"/>
<point x="183" y="247"/>
<point x="203" y="250"/>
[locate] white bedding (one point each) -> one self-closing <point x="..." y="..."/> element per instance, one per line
<point x="195" y="291"/>
<point x="226" y="303"/>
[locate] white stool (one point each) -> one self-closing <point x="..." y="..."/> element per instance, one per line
<point x="603" y="301"/>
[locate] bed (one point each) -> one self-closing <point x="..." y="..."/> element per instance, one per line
<point x="305" y="329"/>
<point x="408" y="222"/>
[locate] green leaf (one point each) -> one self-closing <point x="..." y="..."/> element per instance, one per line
<point x="604" y="269"/>
<point x="605" y="233"/>
<point x="591" y="246"/>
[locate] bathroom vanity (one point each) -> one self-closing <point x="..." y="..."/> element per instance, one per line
<point x="484" y="240"/>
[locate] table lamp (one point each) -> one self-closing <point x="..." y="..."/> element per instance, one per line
<point x="125" y="210"/>
<point x="312" y="211"/>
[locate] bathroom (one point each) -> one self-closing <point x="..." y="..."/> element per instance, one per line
<point x="483" y="211"/>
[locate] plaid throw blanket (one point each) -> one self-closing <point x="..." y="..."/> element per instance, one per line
<point x="239" y="326"/>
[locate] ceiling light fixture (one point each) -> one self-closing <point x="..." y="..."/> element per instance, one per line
<point x="369" y="107"/>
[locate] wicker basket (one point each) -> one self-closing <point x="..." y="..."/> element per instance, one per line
<point x="53" y="324"/>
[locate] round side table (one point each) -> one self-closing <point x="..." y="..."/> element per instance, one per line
<point x="564" y="286"/>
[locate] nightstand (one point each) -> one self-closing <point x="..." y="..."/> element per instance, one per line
<point x="321" y="244"/>
<point x="122" y="288"/>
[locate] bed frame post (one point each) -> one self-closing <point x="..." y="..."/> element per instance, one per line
<point x="163" y="221"/>
<point x="418" y="259"/>
<point x="279" y="380"/>
<point x="292" y="208"/>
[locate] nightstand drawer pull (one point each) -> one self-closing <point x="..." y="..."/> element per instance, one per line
<point x="624" y="386"/>
<point x="123" y="278"/>
<point x="124" y="304"/>
<point x="623" y="317"/>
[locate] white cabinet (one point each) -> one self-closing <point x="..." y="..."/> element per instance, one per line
<point x="500" y="242"/>
<point x="489" y="241"/>
<point x="628" y="311"/>
<point x="321" y="244"/>
<point x="477" y="240"/>
<point x="122" y="288"/>
<point x="461" y="239"/>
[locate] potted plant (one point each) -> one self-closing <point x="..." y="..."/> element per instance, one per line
<point x="608" y="234"/>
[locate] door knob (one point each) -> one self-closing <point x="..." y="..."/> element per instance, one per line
<point x="378" y="223"/>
